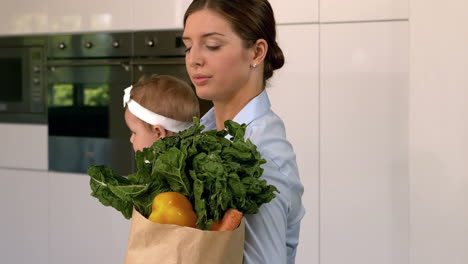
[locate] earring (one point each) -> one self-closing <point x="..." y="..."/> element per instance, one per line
<point x="254" y="65"/>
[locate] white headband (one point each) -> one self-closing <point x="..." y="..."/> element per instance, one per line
<point x="151" y="117"/>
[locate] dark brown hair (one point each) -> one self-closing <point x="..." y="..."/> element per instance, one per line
<point x="167" y="96"/>
<point x="251" y="20"/>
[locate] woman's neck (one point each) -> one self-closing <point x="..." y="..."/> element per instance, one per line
<point x="228" y="109"/>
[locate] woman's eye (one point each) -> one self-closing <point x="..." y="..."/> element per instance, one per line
<point x="187" y="49"/>
<point x="213" y="47"/>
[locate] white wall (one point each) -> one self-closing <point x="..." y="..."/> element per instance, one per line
<point x="439" y="132"/>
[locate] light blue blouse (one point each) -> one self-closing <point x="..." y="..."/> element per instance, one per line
<point x="271" y="235"/>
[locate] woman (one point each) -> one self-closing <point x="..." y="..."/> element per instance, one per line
<point x="231" y="53"/>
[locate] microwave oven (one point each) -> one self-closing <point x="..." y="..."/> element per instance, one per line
<point x="22" y="81"/>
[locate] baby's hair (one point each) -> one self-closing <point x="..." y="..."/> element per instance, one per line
<point x="167" y="96"/>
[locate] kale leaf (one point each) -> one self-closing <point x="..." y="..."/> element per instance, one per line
<point x="213" y="172"/>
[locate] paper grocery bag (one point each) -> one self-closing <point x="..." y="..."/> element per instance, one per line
<point x="151" y="243"/>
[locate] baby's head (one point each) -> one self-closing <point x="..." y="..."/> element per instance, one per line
<point x="157" y="107"/>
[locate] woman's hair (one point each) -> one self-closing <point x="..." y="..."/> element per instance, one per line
<point x="251" y="20"/>
<point x="167" y="96"/>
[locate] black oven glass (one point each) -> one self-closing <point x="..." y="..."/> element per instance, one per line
<point x="10" y="74"/>
<point x="79" y="95"/>
<point x="78" y="109"/>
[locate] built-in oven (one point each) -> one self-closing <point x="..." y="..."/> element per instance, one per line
<point x="22" y="79"/>
<point x="86" y="76"/>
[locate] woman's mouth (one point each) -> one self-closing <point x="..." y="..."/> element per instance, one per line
<point x="200" y="79"/>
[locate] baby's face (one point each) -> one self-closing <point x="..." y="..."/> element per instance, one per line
<point x="142" y="136"/>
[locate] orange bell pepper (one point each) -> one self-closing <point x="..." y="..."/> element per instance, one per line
<point x="172" y="208"/>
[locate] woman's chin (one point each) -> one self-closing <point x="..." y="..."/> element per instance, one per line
<point x="203" y="93"/>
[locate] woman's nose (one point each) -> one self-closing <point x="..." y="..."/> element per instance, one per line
<point x="194" y="58"/>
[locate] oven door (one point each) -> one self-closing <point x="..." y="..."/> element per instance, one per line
<point x="167" y="66"/>
<point x="22" y="80"/>
<point x="86" y="117"/>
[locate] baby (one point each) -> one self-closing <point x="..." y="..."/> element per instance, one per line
<point x="157" y="107"/>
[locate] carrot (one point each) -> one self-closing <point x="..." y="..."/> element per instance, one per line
<point x="215" y="226"/>
<point x="231" y="220"/>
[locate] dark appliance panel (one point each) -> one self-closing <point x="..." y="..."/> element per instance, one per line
<point x="159" y="44"/>
<point x="85" y="112"/>
<point x="101" y="45"/>
<point x="21" y="71"/>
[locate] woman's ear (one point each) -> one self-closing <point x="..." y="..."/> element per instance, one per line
<point x="260" y="49"/>
<point x="159" y="131"/>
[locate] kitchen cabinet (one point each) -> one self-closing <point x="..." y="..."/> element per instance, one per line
<point x="50" y="218"/>
<point x="364" y="178"/>
<point x="295" y="11"/>
<point x="23" y="17"/>
<point x="439" y="132"/>
<point x="359" y="10"/>
<point x="294" y="95"/>
<point x="24" y="219"/>
<point x="159" y="14"/>
<point x="162" y="14"/>
<point x="89" y="15"/>
<point x="24" y="146"/>
<point x="81" y="229"/>
<point x="54" y="16"/>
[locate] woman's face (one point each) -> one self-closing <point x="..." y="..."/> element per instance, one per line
<point x="142" y="136"/>
<point x="216" y="60"/>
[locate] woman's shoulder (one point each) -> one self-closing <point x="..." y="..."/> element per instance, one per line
<point x="270" y="121"/>
<point x="268" y="133"/>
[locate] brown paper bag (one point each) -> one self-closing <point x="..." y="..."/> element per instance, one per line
<point x="151" y="243"/>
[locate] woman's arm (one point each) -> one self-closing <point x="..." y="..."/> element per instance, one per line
<point x="272" y="235"/>
<point x="265" y="237"/>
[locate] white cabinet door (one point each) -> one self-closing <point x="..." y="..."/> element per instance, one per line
<point x="23" y="146"/>
<point x="358" y="10"/>
<point x="159" y="14"/>
<point x="439" y="132"/>
<point x="364" y="143"/>
<point x="89" y="15"/>
<point x="81" y="229"/>
<point x="295" y="11"/>
<point x="23" y="17"/>
<point x="294" y="95"/>
<point x="163" y="14"/>
<point x="24" y="217"/>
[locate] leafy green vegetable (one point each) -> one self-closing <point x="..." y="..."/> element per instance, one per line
<point x="214" y="172"/>
<point x="102" y="178"/>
